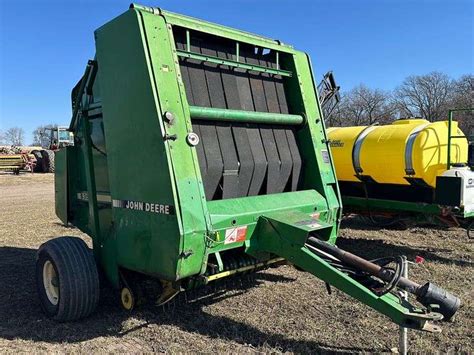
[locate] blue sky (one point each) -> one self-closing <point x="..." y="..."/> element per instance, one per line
<point x="45" y="44"/>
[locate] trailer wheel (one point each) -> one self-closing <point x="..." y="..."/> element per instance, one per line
<point x="39" y="161"/>
<point x="67" y="279"/>
<point x="127" y="299"/>
<point x="48" y="161"/>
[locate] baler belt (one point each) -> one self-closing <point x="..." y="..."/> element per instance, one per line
<point x="238" y="159"/>
<point x="230" y="183"/>
<point x="213" y="158"/>
<point x="246" y="161"/>
<point x="286" y="163"/>
<point x="295" y="157"/>
<point x="273" y="160"/>
<point x="259" y="158"/>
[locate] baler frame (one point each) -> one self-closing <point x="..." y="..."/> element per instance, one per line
<point x="161" y="219"/>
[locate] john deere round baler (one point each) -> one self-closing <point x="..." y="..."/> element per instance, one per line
<point x="199" y="152"/>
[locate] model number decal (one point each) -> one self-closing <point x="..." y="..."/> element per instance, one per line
<point x="143" y="206"/>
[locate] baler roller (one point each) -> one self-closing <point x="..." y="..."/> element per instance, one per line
<point x="217" y="114"/>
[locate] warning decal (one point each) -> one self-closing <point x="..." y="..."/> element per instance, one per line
<point x="235" y="235"/>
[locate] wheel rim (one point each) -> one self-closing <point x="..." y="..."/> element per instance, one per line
<point x="51" y="282"/>
<point x="127" y="299"/>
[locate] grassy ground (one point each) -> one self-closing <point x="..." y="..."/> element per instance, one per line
<point x="277" y="310"/>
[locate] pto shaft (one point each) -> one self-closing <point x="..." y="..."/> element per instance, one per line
<point x="427" y="294"/>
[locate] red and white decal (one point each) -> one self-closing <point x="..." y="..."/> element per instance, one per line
<point x="235" y="235"/>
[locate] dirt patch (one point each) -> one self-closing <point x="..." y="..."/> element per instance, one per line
<point x="277" y="310"/>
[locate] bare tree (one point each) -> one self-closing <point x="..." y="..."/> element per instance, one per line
<point x="427" y="96"/>
<point x="2" y="137"/>
<point x="363" y="106"/>
<point x="42" y="136"/>
<point x="15" y="136"/>
<point x="463" y="97"/>
<point x="338" y="117"/>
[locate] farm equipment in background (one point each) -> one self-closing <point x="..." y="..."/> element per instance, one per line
<point x="16" y="159"/>
<point x="241" y="175"/>
<point x="329" y="96"/>
<point x="411" y="169"/>
<point x="54" y="138"/>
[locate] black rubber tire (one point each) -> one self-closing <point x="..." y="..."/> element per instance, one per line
<point x="39" y="161"/>
<point x="48" y="161"/>
<point x="78" y="279"/>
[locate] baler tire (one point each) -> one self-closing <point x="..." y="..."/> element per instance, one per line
<point x="73" y="289"/>
<point x="39" y="161"/>
<point x="48" y="161"/>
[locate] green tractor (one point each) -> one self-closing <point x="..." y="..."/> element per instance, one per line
<point x="53" y="138"/>
<point x="200" y="152"/>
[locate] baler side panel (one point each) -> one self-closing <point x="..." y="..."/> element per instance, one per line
<point x="132" y="124"/>
<point x="183" y="161"/>
<point x="318" y="172"/>
<point x="61" y="186"/>
<point x="77" y="186"/>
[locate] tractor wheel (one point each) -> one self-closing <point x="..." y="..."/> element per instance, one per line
<point x="48" y="161"/>
<point x="67" y="279"/>
<point x="39" y="161"/>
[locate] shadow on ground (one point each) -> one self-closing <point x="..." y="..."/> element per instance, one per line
<point x="22" y="319"/>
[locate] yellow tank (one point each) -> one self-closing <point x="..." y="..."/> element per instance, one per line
<point x="413" y="149"/>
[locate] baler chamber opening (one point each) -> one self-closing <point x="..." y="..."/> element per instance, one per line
<point x="240" y="110"/>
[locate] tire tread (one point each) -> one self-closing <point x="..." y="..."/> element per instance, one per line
<point x="79" y="279"/>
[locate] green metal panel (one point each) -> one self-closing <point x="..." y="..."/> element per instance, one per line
<point x="188" y="187"/>
<point x="61" y="185"/>
<point x="227" y="214"/>
<point x="131" y="117"/>
<point x="212" y="28"/>
<point x="320" y="175"/>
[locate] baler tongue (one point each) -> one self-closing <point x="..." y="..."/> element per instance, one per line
<point x="293" y="236"/>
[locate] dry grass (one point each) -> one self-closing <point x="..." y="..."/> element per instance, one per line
<point x="278" y="310"/>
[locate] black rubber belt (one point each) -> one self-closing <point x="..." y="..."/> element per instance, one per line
<point x="214" y="160"/>
<point x="237" y="159"/>
<point x="245" y="160"/>
<point x="286" y="161"/>
<point x="201" y="156"/>
<point x="230" y="180"/>
<point x="247" y="164"/>
<point x="295" y="157"/>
